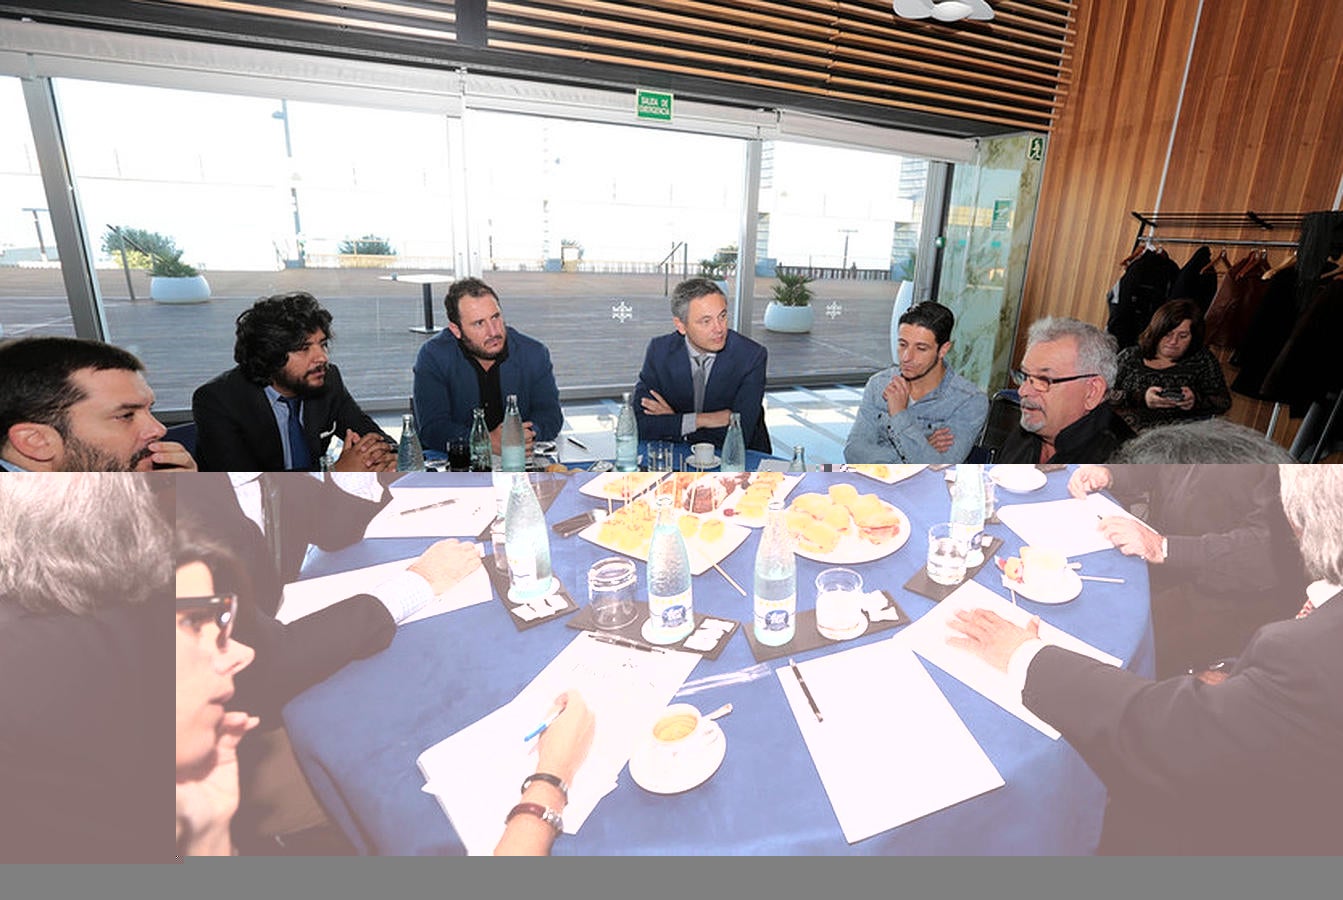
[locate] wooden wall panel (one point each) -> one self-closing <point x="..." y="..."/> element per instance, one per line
<point x="1259" y="128"/>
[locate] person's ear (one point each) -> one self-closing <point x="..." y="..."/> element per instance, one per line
<point x="1097" y="391"/>
<point x="456" y="332"/>
<point x="680" y="326"/>
<point x="942" y="351"/>
<point x="34" y="441"/>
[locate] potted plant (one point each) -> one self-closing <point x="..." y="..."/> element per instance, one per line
<point x="171" y="281"/>
<point x="723" y="264"/>
<point x="790" y="310"/>
<point x="368" y="252"/>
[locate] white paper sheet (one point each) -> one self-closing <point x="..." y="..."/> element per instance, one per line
<point x="475" y="773"/>
<point x="600" y="445"/>
<point x="1069" y="526"/>
<point x="472" y="510"/>
<point x="303" y="598"/>
<point x="888" y="756"/>
<point x="928" y="638"/>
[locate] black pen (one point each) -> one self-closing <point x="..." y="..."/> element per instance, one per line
<point x="406" y="512"/>
<point x="622" y="642"/>
<point x="577" y="443"/>
<point x="803" y="684"/>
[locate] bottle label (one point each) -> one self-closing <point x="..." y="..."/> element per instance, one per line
<point x="775" y="621"/>
<point x="670" y="613"/>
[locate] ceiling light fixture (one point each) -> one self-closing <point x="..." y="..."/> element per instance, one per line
<point x="943" y="11"/>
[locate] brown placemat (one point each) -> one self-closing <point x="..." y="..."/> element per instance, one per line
<point x="806" y="637"/>
<point x="500" y="584"/>
<point x="919" y="583"/>
<point x="633" y="632"/>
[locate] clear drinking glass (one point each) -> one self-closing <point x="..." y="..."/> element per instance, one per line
<point x="613" y="586"/>
<point x="947" y="552"/>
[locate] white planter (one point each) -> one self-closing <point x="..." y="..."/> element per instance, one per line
<point x="192" y="289"/>
<point x="788" y="319"/>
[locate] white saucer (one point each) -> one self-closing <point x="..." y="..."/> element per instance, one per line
<point x="848" y="634"/>
<point x="1018" y="479"/>
<point x="696" y="464"/>
<point x="1069" y="588"/>
<point x="689" y="772"/>
<point x="654" y="638"/>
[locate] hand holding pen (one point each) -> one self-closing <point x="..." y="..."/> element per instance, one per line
<point x="564" y="736"/>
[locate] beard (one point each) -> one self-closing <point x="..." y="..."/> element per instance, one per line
<point x="300" y="387"/>
<point x="1026" y="425"/>
<point x="480" y="352"/>
<point x="932" y="365"/>
<point x="82" y="457"/>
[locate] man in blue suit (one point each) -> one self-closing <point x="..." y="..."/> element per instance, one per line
<point x="694" y="378"/>
<point x="477" y="362"/>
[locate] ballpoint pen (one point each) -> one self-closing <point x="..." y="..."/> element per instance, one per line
<point x="797" y="673"/>
<point x="406" y="512"/>
<point x="549" y="720"/>
<point x="577" y="443"/>
<point x="623" y="642"/>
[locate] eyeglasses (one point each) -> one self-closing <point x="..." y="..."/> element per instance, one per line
<point x="1043" y="383"/>
<point x="222" y="608"/>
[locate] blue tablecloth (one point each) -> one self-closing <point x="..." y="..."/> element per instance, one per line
<point x="357" y="735"/>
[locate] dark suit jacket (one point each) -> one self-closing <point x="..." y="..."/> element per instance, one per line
<point x="83" y="758"/>
<point x="1249" y="766"/>
<point x="1091" y="439"/>
<point x="736" y="382"/>
<point x="236" y="430"/>
<point x="290" y="658"/>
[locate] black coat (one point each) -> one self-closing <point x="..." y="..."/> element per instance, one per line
<point x="236" y="429"/>
<point x="1091" y="439"/>
<point x="1249" y="766"/>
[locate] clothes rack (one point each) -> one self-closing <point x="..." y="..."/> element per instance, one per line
<point x="1203" y="222"/>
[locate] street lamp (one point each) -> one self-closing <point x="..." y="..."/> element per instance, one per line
<point x="283" y="115"/>
<point x="846" y="232"/>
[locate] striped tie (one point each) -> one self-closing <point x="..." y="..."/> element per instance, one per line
<point x="1306" y="610"/>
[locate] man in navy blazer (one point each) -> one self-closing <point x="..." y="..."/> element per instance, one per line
<point x="278" y="409"/>
<point x="665" y="401"/>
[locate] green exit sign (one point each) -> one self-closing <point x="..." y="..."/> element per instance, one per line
<point x="653" y="105"/>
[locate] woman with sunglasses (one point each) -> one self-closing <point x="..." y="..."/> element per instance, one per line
<point x="207" y="659"/>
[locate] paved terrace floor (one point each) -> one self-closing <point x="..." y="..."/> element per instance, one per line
<point x="815" y="378"/>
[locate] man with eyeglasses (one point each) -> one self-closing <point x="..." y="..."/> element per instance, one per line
<point x="1064" y="382"/>
<point x="85" y="563"/>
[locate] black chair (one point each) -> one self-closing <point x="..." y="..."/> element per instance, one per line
<point x="760" y="440"/>
<point x="1004" y="417"/>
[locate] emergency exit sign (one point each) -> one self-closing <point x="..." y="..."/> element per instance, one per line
<point x="653" y="105"/>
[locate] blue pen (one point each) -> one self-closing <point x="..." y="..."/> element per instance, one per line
<point x="550" y="720"/>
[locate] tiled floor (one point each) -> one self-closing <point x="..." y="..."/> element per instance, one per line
<point x="817" y="418"/>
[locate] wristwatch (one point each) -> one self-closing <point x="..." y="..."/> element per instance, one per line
<point x="544" y="813"/>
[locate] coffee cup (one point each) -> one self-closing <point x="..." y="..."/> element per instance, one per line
<point x="703" y="453"/>
<point x="839" y="603"/>
<point x="680" y="731"/>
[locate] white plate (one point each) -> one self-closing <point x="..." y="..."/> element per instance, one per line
<point x="696" y="464"/>
<point x="781" y="492"/>
<point x="1068" y="589"/>
<point x="886" y="473"/>
<point x="1018" y="479"/>
<point x="853" y="549"/>
<point x="702" y="554"/>
<point x="688" y="773"/>
<point x="606" y="485"/>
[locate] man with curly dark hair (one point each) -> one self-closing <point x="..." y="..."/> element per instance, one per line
<point x="278" y="409"/>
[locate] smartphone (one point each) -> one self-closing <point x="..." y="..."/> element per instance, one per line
<point x="1171" y="393"/>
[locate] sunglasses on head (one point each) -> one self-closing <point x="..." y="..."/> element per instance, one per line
<point x="222" y="607"/>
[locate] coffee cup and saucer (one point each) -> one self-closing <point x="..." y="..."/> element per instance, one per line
<point x="1044" y="577"/>
<point x="702" y="456"/>
<point x="681" y="751"/>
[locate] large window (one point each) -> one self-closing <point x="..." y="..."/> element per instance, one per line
<point x="582" y="224"/>
<point x="260" y="196"/>
<point x="32" y="296"/>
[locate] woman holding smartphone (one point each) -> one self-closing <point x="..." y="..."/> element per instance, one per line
<point x="1170" y="376"/>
